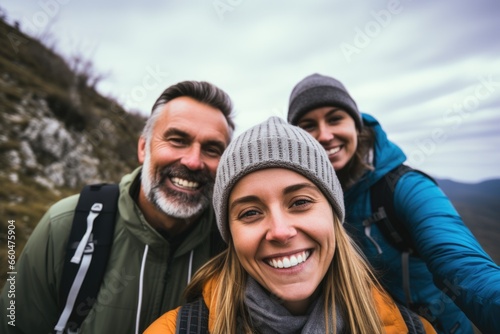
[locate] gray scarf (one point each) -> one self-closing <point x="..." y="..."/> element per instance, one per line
<point x="269" y="316"/>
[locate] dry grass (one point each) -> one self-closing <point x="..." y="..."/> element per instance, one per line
<point x="30" y="74"/>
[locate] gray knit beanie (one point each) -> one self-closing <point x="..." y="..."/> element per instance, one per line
<point x="316" y="91"/>
<point x="274" y="143"/>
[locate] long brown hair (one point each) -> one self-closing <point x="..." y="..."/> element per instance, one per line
<point x="359" y="162"/>
<point x="348" y="284"/>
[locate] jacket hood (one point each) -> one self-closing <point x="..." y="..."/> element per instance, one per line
<point x="132" y="214"/>
<point x="386" y="155"/>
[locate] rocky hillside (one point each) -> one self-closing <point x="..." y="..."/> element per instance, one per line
<point x="56" y="133"/>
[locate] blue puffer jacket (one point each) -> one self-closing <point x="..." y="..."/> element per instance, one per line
<point x="449" y="256"/>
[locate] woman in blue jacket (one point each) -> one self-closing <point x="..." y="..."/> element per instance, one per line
<point x="451" y="279"/>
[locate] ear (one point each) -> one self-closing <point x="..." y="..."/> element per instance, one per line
<point x="141" y="149"/>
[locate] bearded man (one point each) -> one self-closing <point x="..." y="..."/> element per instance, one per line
<point x="163" y="226"/>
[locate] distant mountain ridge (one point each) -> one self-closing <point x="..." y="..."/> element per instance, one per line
<point x="479" y="206"/>
<point x="485" y="190"/>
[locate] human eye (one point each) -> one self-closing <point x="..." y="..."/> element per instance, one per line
<point x="177" y="141"/>
<point x="334" y="119"/>
<point x="214" y="151"/>
<point x="301" y="203"/>
<point x="177" y="138"/>
<point x="307" y="126"/>
<point x="249" y="215"/>
<point x="337" y="116"/>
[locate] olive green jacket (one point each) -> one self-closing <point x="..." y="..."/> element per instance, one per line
<point x="117" y="308"/>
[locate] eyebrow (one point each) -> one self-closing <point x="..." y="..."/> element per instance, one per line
<point x="299" y="186"/>
<point x="178" y="132"/>
<point x="290" y="189"/>
<point x="333" y="110"/>
<point x="244" y="199"/>
<point x="175" y="132"/>
<point x="217" y="143"/>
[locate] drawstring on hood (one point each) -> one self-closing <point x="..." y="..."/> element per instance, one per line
<point x="141" y="285"/>
<point x="190" y="268"/>
<point x="141" y="282"/>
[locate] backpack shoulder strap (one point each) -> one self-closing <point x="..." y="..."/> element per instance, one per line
<point x="393" y="229"/>
<point x="412" y="320"/>
<point x="193" y="318"/>
<point x="384" y="213"/>
<point x="88" y="249"/>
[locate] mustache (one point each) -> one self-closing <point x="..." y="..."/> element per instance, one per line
<point x="202" y="177"/>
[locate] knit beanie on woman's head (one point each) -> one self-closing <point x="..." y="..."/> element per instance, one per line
<point x="316" y="91"/>
<point x="274" y="144"/>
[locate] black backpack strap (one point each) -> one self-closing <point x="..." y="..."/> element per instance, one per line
<point x="393" y="229"/>
<point x="384" y="213"/>
<point x="193" y="318"/>
<point x="412" y="320"/>
<point x="88" y="250"/>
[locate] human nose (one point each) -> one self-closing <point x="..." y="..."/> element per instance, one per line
<point x="192" y="158"/>
<point x="280" y="229"/>
<point x="324" y="133"/>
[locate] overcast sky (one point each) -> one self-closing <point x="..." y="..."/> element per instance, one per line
<point x="428" y="70"/>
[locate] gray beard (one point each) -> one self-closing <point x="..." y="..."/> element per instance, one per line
<point x="172" y="203"/>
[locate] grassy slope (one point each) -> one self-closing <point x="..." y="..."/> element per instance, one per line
<point x="31" y="72"/>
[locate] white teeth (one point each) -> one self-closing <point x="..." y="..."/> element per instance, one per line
<point x="333" y="150"/>
<point x="292" y="261"/>
<point x="184" y="183"/>
<point x="299" y="258"/>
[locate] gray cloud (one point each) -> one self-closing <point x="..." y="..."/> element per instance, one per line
<point x="408" y="65"/>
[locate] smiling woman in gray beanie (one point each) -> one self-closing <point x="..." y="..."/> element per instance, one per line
<point x="438" y="255"/>
<point x="290" y="266"/>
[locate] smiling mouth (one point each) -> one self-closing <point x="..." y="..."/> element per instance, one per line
<point x="289" y="261"/>
<point x="333" y="150"/>
<point x="185" y="184"/>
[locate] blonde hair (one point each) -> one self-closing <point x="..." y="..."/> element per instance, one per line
<point x="348" y="284"/>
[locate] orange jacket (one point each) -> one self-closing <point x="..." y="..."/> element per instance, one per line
<point x="389" y="313"/>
